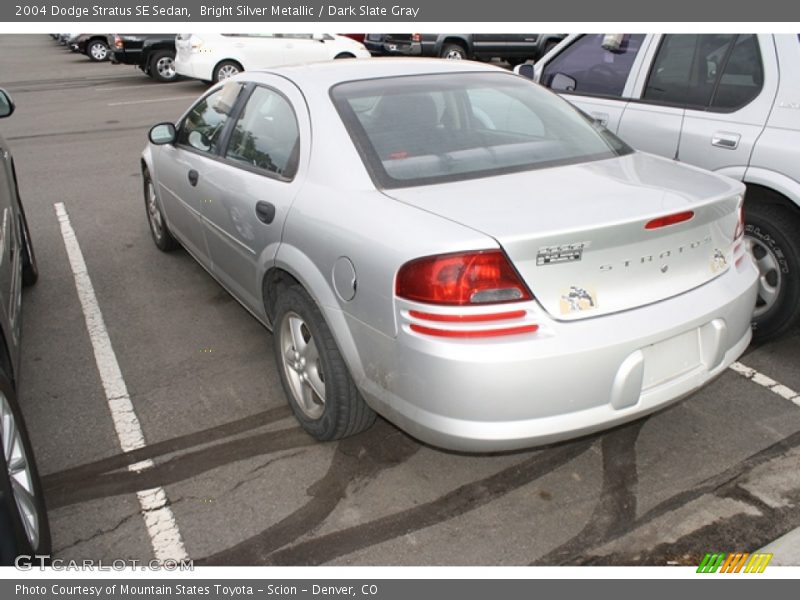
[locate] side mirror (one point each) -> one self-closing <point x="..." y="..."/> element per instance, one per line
<point x="163" y="133"/>
<point x="563" y="83"/>
<point x="525" y="70"/>
<point x="6" y="104"/>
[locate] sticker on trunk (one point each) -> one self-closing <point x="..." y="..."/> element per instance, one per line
<point x="577" y="299"/>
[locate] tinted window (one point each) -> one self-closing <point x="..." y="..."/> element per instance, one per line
<point x="723" y="71"/>
<point x="266" y="134"/>
<point x="742" y="76"/>
<point x="431" y="128"/>
<point x="596" y="64"/>
<point x="202" y="127"/>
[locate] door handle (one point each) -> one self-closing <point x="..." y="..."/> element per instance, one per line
<point x="601" y="118"/>
<point x="729" y="141"/>
<point x="193" y="177"/>
<point x="265" y="211"/>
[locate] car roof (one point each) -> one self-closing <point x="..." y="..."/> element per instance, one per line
<point x="328" y="73"/>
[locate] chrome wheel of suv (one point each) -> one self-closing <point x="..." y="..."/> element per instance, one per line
<point x="98" y="51"/>
<point x="770" y="279"/>
<point x="18" y="465"/>
<point x="165" y="66"/>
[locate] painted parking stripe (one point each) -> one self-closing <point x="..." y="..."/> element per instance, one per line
<point x="150" y="100"/>
<point x="165" y="536"/>
<point x="767" y="382"/>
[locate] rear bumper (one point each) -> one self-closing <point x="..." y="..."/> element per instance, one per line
<point x="393" y="48"/>
<point x="563" y="381"/>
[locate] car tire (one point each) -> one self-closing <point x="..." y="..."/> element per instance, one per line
<point x="225" y="69"/>
<point x="162" y="237"/>
<point x="453" y="52"/>
<point x="97" y="51"/>
<point x="771" y="232"/>
<point x="315" y="378"/>
<point x="30" y="269"/>
<point x="162" y="66"/>
<point x="22" y="508"/>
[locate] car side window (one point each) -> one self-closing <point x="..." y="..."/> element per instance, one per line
<point x="742" y="77"/>
<point x="720" y="71"/>
<point x="596" y="64"/>
<point x="202" y="127"/>
<point x="266" y="135"/>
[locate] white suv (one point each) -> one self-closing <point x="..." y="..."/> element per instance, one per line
<point x="729" y="103"/>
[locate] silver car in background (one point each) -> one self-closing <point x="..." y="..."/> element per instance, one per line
<point x="454" y="248"/>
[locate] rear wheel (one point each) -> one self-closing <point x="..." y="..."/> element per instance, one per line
<point x="453" y="52"/>
<point x="316" y="380"/>
<point x="344" y="55"/>
<point x="162" y="67"/>
<point x="22" y="508"/>
<point x="225" y="69"/>
<point x="771" y="233"/>
<point x="97" y="50"/>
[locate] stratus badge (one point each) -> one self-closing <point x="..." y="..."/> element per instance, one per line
<point x="577" y="299"/>
<point x="718" y="262"/>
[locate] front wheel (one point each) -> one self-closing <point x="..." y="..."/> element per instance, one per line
<point x="771" y="233"/>
<point x="22" y="510"/>
<point x="162" y="67"/>
<point x="316" y="380"/>
<point x="158" y="225"/>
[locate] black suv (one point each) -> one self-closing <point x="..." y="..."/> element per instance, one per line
<point x="514" y="48"/>
<point x="24" y="529"/>
<point x="153" y="53"/>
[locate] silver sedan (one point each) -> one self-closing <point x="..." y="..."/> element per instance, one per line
<point x="454" y="248"/>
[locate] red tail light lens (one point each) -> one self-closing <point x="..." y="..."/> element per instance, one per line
<point x="670" y="220"/>
<point x="118" y="42"/>
<point x="416" y="37"/>
<point x="461" y="279"/>
<point x="739" y="225"/>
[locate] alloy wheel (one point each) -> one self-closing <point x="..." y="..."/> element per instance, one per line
<point x="302" y="365"/>
<point x="153" y="212"/>
<point x="769" y="280"/>
<point x="166" y="67"/>
<point x="19" y="471"/>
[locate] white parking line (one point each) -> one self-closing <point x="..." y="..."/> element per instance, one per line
<point x="165" y="536"/>
<point x="123" y="87"/>
<point x="150" y="100"/>
<point x="767" y="382"/>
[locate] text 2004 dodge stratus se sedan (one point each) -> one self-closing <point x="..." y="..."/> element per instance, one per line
<point x="455" y="248"/>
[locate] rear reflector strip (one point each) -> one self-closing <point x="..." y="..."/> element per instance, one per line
<point x="516" y="314"/>
<point x="473" y="333"/>
<point x="669" y="220"/>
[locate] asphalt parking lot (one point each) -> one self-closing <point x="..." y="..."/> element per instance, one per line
<point x="243" y="484"/>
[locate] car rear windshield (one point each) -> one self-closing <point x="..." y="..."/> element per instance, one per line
<point x="424" y="129"/>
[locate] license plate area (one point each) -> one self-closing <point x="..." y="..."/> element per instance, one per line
<point x="671" y="358"/>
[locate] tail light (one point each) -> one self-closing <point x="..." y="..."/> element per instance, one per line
<point x="462" y="279"/>
<point x="118" y="42"/>
<point x="740" y="224"/>
<point x="416" y="37"/>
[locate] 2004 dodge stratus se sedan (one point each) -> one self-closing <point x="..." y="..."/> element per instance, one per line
<point x="455" y="248"/>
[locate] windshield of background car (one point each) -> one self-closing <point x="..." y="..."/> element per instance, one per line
<point x="424" y="129"/>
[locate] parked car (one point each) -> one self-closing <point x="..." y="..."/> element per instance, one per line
<point x="153" y="53"/>
<point x="24" y="527"/>
<point x="93" y="45"/>
<point x="724" y="102"/>
<point x="514" y="48"/>
<point x="455" y="248"/>
<point x="213" y="57"/>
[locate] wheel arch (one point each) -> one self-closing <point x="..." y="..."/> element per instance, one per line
<point x="772" y="187"/>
